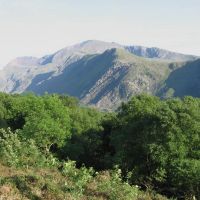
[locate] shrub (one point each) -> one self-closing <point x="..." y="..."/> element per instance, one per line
<point x="77" y="179"/>
<point x="111" y="184"/>
<point x="19" y="152"/>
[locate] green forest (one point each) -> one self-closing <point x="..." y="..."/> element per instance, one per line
<point x="52" y="147"/>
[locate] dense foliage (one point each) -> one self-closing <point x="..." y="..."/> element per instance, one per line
<point x="148" y="142"/>
<point x="158" y="141"/>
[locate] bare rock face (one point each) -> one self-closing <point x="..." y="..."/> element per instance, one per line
<point x="98" y="73"/>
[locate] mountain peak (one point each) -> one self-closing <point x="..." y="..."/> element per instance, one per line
<point x="97" y="46"/>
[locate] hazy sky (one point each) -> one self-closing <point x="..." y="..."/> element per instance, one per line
<point x="39" y="27"/>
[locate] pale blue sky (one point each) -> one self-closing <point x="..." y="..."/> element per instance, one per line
<point x="39" y="27"/>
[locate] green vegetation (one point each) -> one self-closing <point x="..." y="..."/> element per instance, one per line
<point x="52" y="148"/>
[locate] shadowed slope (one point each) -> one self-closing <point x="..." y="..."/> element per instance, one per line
<point x="183" y="81"/>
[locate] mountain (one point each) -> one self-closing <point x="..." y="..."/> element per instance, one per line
<point x="18" y="74"/>
<point x="104" y="79"/>
<point x="98" y="73"/>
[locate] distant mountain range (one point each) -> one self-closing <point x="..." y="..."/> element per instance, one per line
<point x="104" y="74"/>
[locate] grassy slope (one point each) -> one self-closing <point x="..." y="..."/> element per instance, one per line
<point x="50" y="184"/>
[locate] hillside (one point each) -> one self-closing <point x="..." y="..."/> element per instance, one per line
<point x="52" y="148"/>
<point x="184" y="81"/>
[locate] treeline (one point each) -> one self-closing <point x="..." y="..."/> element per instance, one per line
<point x="155" y="143"/>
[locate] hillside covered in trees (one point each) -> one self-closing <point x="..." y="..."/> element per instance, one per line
<point x="51" y="147"/>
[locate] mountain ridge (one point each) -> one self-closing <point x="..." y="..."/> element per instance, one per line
<point x="86" y="47"/>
